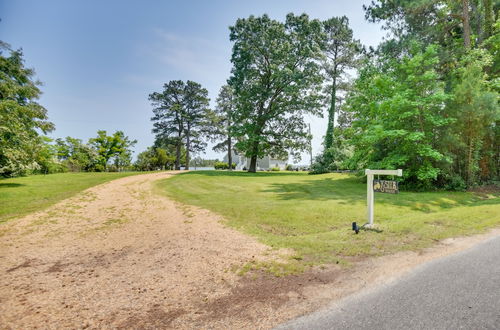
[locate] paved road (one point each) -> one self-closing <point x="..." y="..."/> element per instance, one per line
<point x="461" y="291"/>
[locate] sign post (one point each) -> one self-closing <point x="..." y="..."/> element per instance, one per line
<point x="382" y="186"/>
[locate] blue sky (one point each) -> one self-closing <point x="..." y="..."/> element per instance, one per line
<point x="99" y="60"/>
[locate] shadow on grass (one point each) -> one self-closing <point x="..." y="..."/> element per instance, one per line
<point x="351" y="190"/>
<point x="374" y="230"/>
<point x="11" y="185"/>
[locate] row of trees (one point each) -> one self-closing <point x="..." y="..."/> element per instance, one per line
<point x="24" y="147"/>
<point x="101" y="153"/>
<point x="426" y="100"/>
<point x="281" y="71"/>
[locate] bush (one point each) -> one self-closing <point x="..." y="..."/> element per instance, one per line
<point x="321" y="165"/>
<point x="275" y="169"/>
<point x="289" y="167"/>
<point x="223" y="166"/>
<point x="455" y="182"/>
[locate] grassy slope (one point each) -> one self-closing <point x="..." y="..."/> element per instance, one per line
<point x="313" y="214"/>
<point x="20" y="196"/>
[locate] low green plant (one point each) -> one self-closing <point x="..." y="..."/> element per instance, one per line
<point x="223" y="166"/>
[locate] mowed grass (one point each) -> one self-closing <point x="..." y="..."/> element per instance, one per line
<point x="312" y="214"/>
<point x="23" y="195"/>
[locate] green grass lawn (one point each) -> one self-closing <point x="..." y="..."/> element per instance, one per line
<point x="312" y="214"/>
<point x="23" y="195"/>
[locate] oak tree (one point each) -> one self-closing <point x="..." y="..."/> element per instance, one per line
<point x="276" y="80"/>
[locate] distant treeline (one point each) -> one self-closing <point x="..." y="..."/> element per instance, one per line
<point x="425" y="100"/>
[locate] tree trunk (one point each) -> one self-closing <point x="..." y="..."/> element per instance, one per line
<point x="469" y="163"/>
<point x="331" y="116"/>
<point x="188" y="145"/>
<point x="178" y="155"/>
<point x="229" y="155"/>
<point x="466" y="24"/>
<point x="253" y="164"/>
<point x="253" y="160"/>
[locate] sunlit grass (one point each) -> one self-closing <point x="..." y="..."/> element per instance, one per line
<point x="312" y="214"/>
<point x="23" y="195"/>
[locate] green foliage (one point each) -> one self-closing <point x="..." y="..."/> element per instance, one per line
<point x="76" y="155"/>
<point x="465" y="128"/>
<point x="475" y="109"/>
<point x="341" y="53"/>
<point x="114" y="147"/>
<point x="275" y="169"/>
<point x="155" y="159"/>
<point x="276" y="80"/>
<point x="223" y="166"/>
<point x="46" y="158"/>
<point x="200" y="162"/>
<point x="220" y="121"/>
<point x="398" y="116"/>
<point x="336" y="157"/>
<point x="221" y="118"/>
<point x="181" y="117"/>
<point x="21" y="117"/>
<point x="289" y="167"/>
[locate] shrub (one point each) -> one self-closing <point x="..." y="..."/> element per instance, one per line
<point x="223" y="166"/>
<point x="455" y="182"/>
<point x="289" y="167"/>
<point x="275" y="169"/>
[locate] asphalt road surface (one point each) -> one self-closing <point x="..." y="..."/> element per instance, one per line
<point x="461" y="291"/>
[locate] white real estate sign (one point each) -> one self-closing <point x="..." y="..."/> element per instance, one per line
<point x="369" y="189"/>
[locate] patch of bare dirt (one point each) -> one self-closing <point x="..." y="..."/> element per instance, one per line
<point x="120" y="256"/>
<point x="485" y="191"/>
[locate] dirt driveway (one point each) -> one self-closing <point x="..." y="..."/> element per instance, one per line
<point x="117" y="255"/>
<point x="120" y="256"/>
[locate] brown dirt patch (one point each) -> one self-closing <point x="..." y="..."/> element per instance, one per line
<point x="485" y="192"/>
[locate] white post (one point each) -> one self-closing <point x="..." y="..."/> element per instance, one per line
<point x="369" y="197"/>
<point x="369" y="190"/>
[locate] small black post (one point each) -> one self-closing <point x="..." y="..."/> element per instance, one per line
<point x="355" y="227"/>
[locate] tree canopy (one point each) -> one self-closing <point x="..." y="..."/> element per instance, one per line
<point x="276" y="80"/>
<point x="22" y="118"/>
<point x="221" y="121"/>
<point x="180" y="113"/>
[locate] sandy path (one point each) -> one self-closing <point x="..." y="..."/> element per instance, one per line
<point x="117" y="255"/>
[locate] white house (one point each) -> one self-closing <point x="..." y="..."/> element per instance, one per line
<point x="265" y="163"/>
